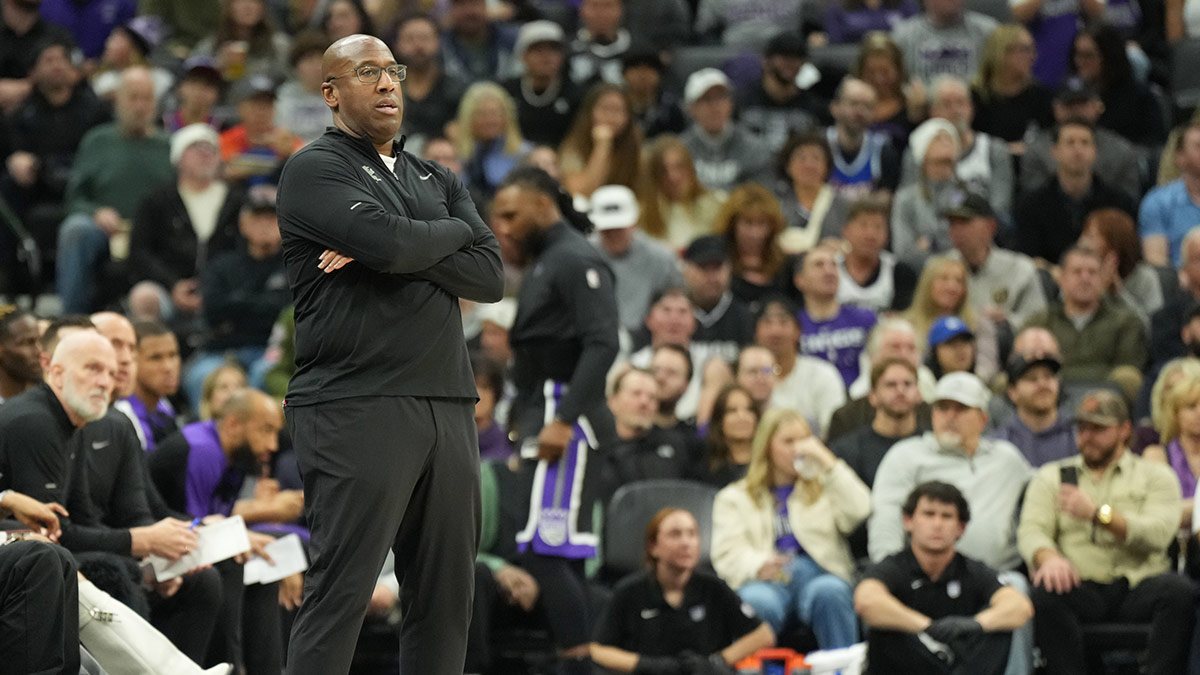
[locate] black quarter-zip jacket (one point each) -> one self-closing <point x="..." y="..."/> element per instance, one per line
<point x="387" y="324"/>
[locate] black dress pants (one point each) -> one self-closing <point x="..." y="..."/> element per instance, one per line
<point x="39" y="610"/>
<point x="1164" y="600"/>
<point x="387" y="472"/>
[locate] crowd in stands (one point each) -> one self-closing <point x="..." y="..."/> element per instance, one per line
<point x="893" y="278"/>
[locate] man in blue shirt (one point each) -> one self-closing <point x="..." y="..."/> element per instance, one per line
<point x="1168" y="212"/>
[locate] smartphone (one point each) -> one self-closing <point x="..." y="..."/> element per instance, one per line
<point x="1068" y="475"/>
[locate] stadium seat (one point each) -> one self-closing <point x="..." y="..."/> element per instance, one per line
<point x="1185" y="76"/>
<point x="634" y="505"/>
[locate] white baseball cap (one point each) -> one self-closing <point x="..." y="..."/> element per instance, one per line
<point x="537" y="31"/>
<point x="190" y="135"/>
<point x="964" y="388"/>
<point x="699" y="82"/>
<point x="613" y="207"/>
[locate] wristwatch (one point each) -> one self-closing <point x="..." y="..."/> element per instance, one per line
<point x="1104" y="515"/>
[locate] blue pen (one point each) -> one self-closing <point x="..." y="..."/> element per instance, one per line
<point x="195" y="522"/>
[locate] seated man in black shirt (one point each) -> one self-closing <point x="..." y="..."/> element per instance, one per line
<point x="644" y="451"/>
<point x="673" y="619"/>
<point x="894" y="396"/>
<point x="931" y="609"/>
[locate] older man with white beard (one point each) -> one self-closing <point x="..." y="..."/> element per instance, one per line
<point x="992" y="473"/>
<point x="37" y="428"/>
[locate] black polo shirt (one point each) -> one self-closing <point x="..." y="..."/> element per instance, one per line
<point x="965" y="588"/>
<point x="638" y="619"/>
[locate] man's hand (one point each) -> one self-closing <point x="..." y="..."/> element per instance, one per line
<point x="332" y="260"/>
<point x="23" y="167"/>
<point x="713" y="664"/>
<point x="382" y="600"/>
<point x="1075" y="502"/>
<point x="169" y="538"/>
<point x="258" y="547"/>
<point x="265" y="489"/>
<point x="519" y="587"/>
<point x="185" y="294"/>
<point x="39" y="517"/>
<point x="1057" y="575"/>
<point x="166" y="589"/>
<point x="13" y="92"/>
<point x="108" y="220"/>
<point x="291" y="591"/>
<point x="553" y="440"/>
<point x="950" y="629"/>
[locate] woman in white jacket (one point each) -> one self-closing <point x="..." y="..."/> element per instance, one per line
<point x="779" y="534"/>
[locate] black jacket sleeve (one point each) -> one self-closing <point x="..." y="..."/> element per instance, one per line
<point x="589" y="292"/>
<point x="474" y="272"/>
<point x="320" y="200"/>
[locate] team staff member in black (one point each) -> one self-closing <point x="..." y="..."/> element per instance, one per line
<point x="931" y="609"/>
<point x="379" y="246"/>
<point x="672" y="618"/>
<point x="564" y="339"/>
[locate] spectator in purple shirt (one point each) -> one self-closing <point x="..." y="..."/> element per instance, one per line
<point x="829" y="329"/>
<point x="848" y="21"/>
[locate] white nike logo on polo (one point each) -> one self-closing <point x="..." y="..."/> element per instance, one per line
<point x="649" y="613"/>
<point x="99" y="445"/>
<point x="356" y="205"/>
<point x="426" y="176"/>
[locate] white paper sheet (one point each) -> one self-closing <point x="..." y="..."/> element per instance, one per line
<point x="288" y="554"/>
<point x="217" y="542"/>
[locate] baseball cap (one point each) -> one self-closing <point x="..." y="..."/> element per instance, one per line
<point x="947" y="328"/>
<point x="1075" y="90"/>
<point x="613" y="207"/>
<point x="699" y="82"/>
<point x="966" y="204"/>
<point x="537" y="31"/>
<point x="202" y="68"/>
<point x="787" y="43"/>
<point x="260" y="199"/>
<point x="706" y="250"/>
<point x="965" y="388"/>
<point x="1019" y="365"/>
<point x="190" y="135"/>
<point x="253" y="87"/>
<point x="1103" y="407"/>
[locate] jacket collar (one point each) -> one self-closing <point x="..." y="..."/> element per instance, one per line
<point x="364" y="144"/>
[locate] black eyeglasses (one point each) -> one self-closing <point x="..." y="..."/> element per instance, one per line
<point x="371" y="74"/>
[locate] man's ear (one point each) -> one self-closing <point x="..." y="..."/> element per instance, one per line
<point x="329" y="94"/>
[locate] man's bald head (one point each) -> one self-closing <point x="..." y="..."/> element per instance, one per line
<point x="1036" y="342"/>
<point x="371" y="110"/>
<point x="82" y="374"/>
<point x="120" y="333"/>
<point x="250" y="421"/>
<point x="342" y="54"/>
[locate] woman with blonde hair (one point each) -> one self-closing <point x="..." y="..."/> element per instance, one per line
<point x="779" y="534"/>
<point x="751" y="222"/>
<point x="942" y="291"/>
<point x="1007" y="98"/>
<point x="1180" y="440"/>
<point x="1172" y="373"/>
<point x="218" y="387"/>
<point x="487" y="137"/>
<point x="604" y="145"/>
<point x="676" y="208"/>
